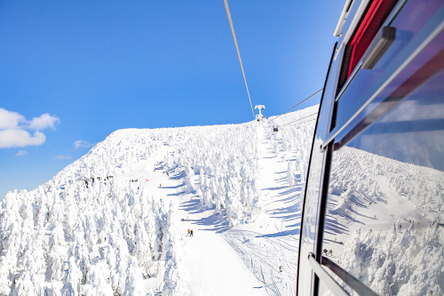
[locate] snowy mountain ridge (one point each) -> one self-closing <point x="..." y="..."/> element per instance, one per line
<point x="115" y="221"/>
<point x="112" y="221"/>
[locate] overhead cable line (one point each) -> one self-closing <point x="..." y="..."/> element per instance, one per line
<point x="297" y="105"/>
<point x="299" y="119"/>
<point x="227" y="9"/>
<point x="308" y="120"/>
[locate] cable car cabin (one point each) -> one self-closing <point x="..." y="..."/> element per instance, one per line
<point x="373" y="209"/>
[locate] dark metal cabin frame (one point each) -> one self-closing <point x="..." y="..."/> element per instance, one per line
<point x="338" y="123"/>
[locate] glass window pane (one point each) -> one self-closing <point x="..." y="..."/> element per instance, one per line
<point x="309" y="223"/>
<point x="385" y="213"/>
<point x="409" y="24"/>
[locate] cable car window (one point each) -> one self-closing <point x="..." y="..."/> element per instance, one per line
<point x="372" y="221"/>
<point x="384" y="221"/>
<point x="309" y="222"/>
<point x="408" y="26"/>
<point x="375" y="15"/>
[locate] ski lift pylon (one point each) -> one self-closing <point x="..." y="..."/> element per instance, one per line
<point x="259" y="116"/>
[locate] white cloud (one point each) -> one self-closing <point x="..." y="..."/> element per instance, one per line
<point x="9" y="119"/>
<point x="82" y="144"/>
<point x="43" y="122"/>
<point x="20" y="138"/>
<point x="62" y="157"/>
<point x="14" y="129"/>
<point x="21" y="153"/>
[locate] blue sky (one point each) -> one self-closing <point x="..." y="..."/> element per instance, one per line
<point x="78" y="70"/>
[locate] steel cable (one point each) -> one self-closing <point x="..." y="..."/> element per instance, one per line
<point x="297" y="105"/>
<point x="227" y="9"/>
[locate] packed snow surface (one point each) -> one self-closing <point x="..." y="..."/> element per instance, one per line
<point x="116" y="221"/>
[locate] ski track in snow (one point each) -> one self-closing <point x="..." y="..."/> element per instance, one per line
<point x="277" y="229"/>
<point x="210" y="265"/>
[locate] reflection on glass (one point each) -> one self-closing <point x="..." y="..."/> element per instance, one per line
<point x="324" y="290"/>
<point x="385" y="220"/>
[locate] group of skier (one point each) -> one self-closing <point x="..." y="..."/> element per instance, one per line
<point x="190" y="232"/>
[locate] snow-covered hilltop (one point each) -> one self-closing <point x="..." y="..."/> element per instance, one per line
<point x="116" y="220"/>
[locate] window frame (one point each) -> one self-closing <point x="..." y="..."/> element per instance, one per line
<point x="427" y="35"/>
<point x="432" y="29"/>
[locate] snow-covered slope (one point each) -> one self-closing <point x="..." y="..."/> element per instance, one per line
<point x="84" y="235"/>
<point x="116" y="220"/>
